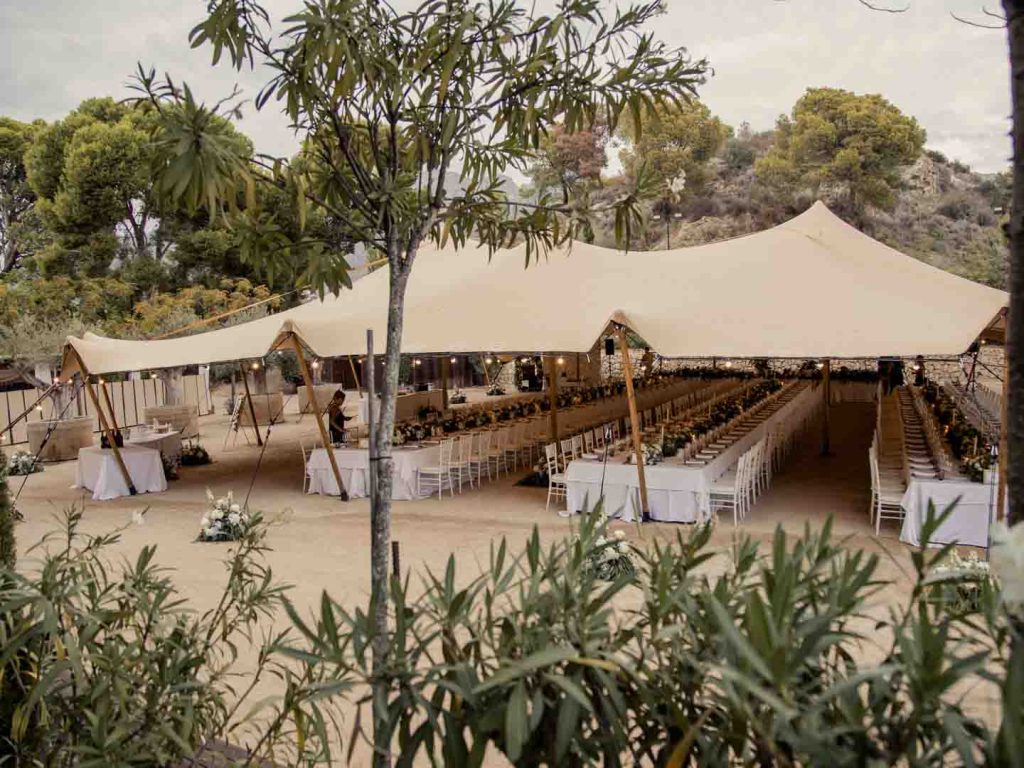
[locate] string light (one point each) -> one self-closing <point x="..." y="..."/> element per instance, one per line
<point x="100" y="380"/>
<point x="316" y="364"/>
<point x="819" y="366"/>
<point x="417" y="361"/>
<point x="39" y="408"/>
<point x="524" y="360"/>
<point x="560" y="361"/>
<point x="255" y="366"/>
<point x="489" y="360"/>
<point x="728" y="363"/>
<point x="453" y="360"/>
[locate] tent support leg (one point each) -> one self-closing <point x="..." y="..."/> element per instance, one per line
<point x="252" y="408"/>
<point x="355" y="375"/>
<point x="1001" y="478"/>
<point x="444" y="383"/>
<point x="318" y="415"/>
<point x="110" y="404"/>
<point x="826" y="394"/>
<point x="105" y="426"/>
<point x="553" y="397"/>
<point x="634" y="421"/>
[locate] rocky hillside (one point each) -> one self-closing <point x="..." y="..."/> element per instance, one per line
<point x="944" y="213"/>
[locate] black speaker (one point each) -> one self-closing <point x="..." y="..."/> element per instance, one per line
<point x="609" y="346"/>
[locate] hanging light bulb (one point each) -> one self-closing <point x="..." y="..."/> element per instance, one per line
<point x="100" y="380"/>
<point x="728" y="363"/>
<point x="560" y="361"/>
<point x="454" y="360"/>
<point x="819" y="366"/>
<point x="489" y="360"/>
<point x="255" y="366"/>
<point x="316" y="364"/>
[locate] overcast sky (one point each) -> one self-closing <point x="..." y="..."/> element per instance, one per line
<point x="765" y="53"/>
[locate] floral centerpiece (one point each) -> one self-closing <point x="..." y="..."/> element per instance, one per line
<point x="967" y="443"/>
<point x="225" y="521"/>
<point x="652" y="453"/>
<point x="495" y="390"/>
<point x="611" y="557"/>
<point x="194" y="455"/>
<point x="23" y="463"/>
<point x="957" y="582"/>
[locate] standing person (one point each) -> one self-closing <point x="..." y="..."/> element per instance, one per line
<point x="336" y="417"/>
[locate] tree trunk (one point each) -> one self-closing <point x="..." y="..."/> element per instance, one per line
<point x="380" y="512"/>
<point x="1014" y="425"/>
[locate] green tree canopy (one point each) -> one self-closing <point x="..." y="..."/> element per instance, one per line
<point x="676" y="140"/>
<point x="853" y="143"/>
<point x="16" y="196"/>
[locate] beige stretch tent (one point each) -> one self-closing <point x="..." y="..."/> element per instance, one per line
<point x="813" y="287"/>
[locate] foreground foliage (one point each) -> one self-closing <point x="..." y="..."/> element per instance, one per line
<point x="762" y="663"/>
<point x="110" y="666"/>
<point x="692" y="656"/>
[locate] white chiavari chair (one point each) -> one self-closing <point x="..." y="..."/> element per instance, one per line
<point x="439" y="476"/>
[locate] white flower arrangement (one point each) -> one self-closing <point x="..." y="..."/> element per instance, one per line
<point x="958" y="581"/>
<point x="23" y="463"/>
<point x="611" y="557"/>
<point x="226" y="520"/>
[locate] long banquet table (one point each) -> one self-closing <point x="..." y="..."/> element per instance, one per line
<point x="967" y="524"/>
<point x="354" y="465"/>
<point x="676" y="492"/>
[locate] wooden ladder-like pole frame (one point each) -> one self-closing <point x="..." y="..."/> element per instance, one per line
<point x="104" y="424"/>
<point x="252" y="406"/>
<point x="317" y="414"/>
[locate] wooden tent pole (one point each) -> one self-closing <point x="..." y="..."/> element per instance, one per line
<point x="1001" y="477"/>
<point x="826" y="437"/>
<point x="634" y="420"/>
<point x="318" y="415"/>
<point x="553" y="397"/>
<point x="487" y="376"/>
<point x="105" y="425"/>
<point x="110" y="403"/>
<point x="444" y="383"/>
<point x="355" y="375"/>
<point x="252" y="408"/>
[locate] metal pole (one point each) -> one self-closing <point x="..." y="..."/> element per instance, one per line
<point x="826" y="441"/>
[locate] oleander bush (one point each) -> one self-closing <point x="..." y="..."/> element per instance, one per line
<point x="702" y="657"/>
<point x="694" y="656"/>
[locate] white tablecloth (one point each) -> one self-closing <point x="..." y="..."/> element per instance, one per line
<point x="97" y="471"/>
<point x="967" y="524"/>
<point x="354" y="464"/>
<point x="675" y="492"/>
<point x="168" y="443"/>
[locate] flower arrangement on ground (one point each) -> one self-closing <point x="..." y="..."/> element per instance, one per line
<point x="457" y="397"/>
<point x="495" y="390"/>
<point x="957" y="582"/>
<point x="170" y="467"/>
<point x="611" y="557"/>
<point x="194" y="455"/>
<point x="23" y="463"/>
<point x="226" y="520"/>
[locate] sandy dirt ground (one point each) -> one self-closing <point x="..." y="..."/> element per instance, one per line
<point x="323" y="544"/>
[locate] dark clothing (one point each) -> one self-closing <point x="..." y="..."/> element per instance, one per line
<point x="336" y="421"/>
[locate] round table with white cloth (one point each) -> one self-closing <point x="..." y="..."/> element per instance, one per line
<point x="97" y="471"/>
<point x="354" y="465"/>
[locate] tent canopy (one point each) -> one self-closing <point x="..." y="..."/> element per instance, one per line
<point x="812" y="287"/>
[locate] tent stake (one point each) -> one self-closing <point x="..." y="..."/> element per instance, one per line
<point x="318" y="415"/>
<point x="634" y="421"/>
<point x="826" y="375"/>
<point x="553" y="397"/>
<point x="104" y="425"/>
<point x="252" y="408"/>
